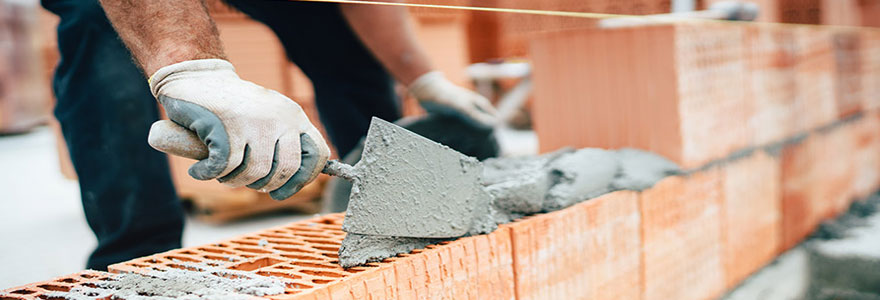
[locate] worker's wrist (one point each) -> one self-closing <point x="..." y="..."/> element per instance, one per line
<point x="164" y="74"/>
<point x="172" y="54"/>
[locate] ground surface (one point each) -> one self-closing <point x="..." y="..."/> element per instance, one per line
<point x="43" y="230"/>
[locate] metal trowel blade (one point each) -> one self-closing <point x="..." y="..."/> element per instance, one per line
<point x="409" y="186"/>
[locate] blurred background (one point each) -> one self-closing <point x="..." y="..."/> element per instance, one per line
<point x="43" y="230"/>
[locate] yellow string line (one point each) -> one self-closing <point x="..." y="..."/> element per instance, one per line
<point x="486" y="9"/>
<point x="587" y="15"/>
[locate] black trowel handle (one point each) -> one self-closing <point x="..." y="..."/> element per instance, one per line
<point x="168" y="137"/>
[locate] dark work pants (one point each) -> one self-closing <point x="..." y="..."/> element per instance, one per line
<point x="105" y="109"/>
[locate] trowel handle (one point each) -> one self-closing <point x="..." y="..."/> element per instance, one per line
<point x="168" y="137"/>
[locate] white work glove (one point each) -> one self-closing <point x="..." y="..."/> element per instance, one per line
<point x="255" y="136"/>
<point x="438" y="95"/>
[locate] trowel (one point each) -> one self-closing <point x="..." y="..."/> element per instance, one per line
<point x="405" y="185"/>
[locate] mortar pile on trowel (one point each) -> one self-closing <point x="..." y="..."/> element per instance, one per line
<point x="407" y="186"/>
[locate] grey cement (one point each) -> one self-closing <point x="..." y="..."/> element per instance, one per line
<point x="640" y="170"/>
<point x="464" y="137"/>
<point x="517" y="187"/>
<point x="359" y="249"/>
<point x="197" y="281"/>
<point x="783" y="279"/>
<point x="528" y="185"/>
<point x="397" y="192"/>
<point x="845" y="258"/>
<point x="578" y="176"/>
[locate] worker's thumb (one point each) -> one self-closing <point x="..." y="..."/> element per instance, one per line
<point x="168" y="137"/>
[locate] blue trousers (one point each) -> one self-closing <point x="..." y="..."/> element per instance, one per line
<point x="105" y="109"/>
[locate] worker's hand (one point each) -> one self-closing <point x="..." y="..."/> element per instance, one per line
<point x="438" y="95"/>
<point x="255" y="136"/>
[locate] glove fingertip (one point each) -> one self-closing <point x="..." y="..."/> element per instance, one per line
<point x="206" y="169"/>
<point x="285" y="192"/>
<point x="306" y="172"/>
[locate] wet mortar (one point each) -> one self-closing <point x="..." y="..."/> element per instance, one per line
<point x="522" y="186"/>
<point x="191" y="281"/>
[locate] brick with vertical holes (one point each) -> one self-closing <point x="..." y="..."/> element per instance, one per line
<point x="681" y="233"/>
<point x="871" y="68"/>
<point x="677" y="90"/>
<point x="588" y="251"/>
<point x="866" y="155"/>
<point x="39" y="290"/>
<point x="751" y="222"/>
<point x="304" y="256"/>
<point x="817" y="178"/>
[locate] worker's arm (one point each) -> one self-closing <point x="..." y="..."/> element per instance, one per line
<point x="255" y="136"/>
<point x="388" y="33"/>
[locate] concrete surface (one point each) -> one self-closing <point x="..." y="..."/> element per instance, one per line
<point x="42" y="223"/>
<point x="784" y="279"/>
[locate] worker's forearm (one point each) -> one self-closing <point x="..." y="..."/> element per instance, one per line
<point x="388" y="32"/>
<point x="163" y="32"/>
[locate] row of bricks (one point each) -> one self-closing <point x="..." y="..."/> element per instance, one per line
<point x="504" y="35"/>
<point x="696" y="92"/>
<point x="688" y="237"/>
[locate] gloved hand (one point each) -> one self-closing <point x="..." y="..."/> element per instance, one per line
<point x="255" y="136"/>
<point x="438" y="95"/>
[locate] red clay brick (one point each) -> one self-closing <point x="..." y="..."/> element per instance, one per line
<point x="848" y="87"/>
<point x="841" y="12"/>
<point x="39" y="290"/>
<point x="866" y="155"/>
<point x="870" y="13"/>
<point x="771" y="83"/>
<point x="507" y="35"/>
<point x="681" y="234"/>
<point x="871" y="67"/>
<point x="815" y="104"/>
<point x="304" y="256"/>
<point x="677" y="90"/>
<point x="817" y="178"/>
<point x="588" y="251"/>
<point x="751" y="211"/>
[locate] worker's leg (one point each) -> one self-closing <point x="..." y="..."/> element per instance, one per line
<point x="351" y="86"/>
<point x="105" y="109"/>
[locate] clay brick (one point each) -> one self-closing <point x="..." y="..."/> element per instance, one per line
<point x="677" y="90"/>
<point x="800" y="11"/>
<point x="841" y="12"/>
<point x="866" y="155"/>
<point x="39" y="290"/>
<point x="24" y="98"/>
<point x="871" y="68"/>
<point x="771" y="83"/>
<point x="751" y="211"/>
<point x="848" y="87"/>
<point x="870" y="13"/>
<point x="507" y="35"/>
<point x="588" y="251"/>
<point x="814" y="104"/>
<point x="817" y="179"/>
<point x="304" y="256"/>
<point x="681" y="234"/>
